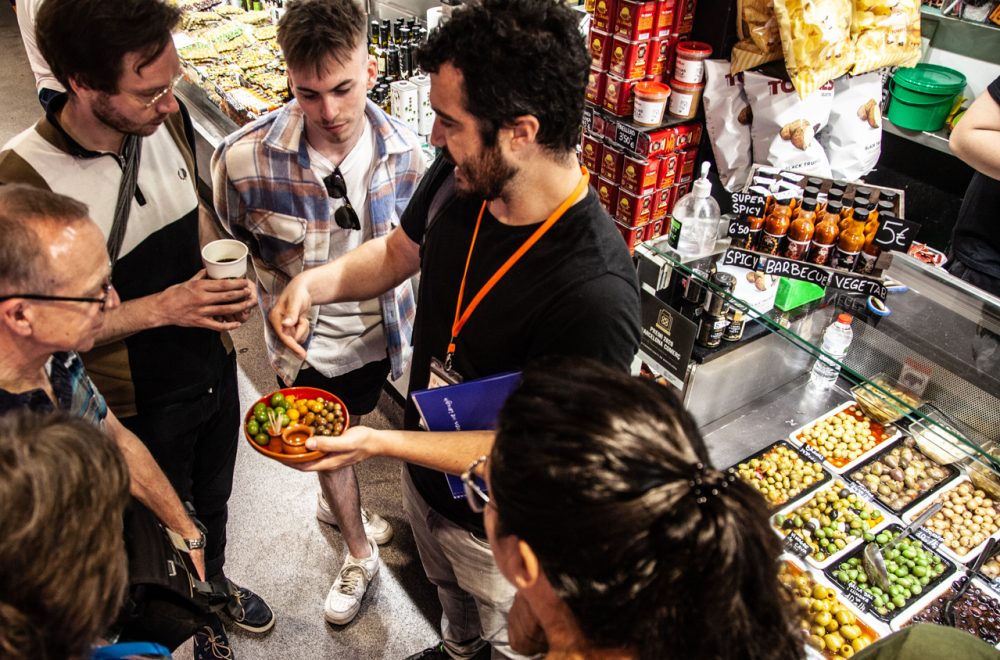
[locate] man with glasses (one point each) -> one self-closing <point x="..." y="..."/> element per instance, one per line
<point x="517" y="261"/>
<point x="121" y="141"/>
<point x="55" y="297"/>
<point x="305" y="185"/>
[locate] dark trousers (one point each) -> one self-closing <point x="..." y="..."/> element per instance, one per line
<point x="358" y="389"/>
<point x="194" y="442"/>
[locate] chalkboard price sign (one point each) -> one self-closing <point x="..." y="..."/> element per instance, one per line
<point x="748" y="204"/>
<point x="928" y="538"/>
<point x="896" y="234"/>
<point x="739" y="229"/>
<point x="861" y="598"/>
<point x="796" y="545"/>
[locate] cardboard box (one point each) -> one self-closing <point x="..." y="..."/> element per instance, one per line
<point x="632" y="235"/>
<point x="600" y="43"/>
<point x="663" y="23"/>
<point x="651" y="142"/>
<point x="665" y="198"/>
<point x="596" y="81"/>
<point x="635" y="19"/>
<point x="667" y="174"/>
<point x="628" y="58"/>
<point x="591" y="152"/>
<point x="684" y="16"/>
<point x="639" y="175"/>
<point x="634" y="210"/>
<point x="607" y="193"/>
<point x="611" y="163"/>
<point x="605" y="15"/>
<point x="618" y="98"/>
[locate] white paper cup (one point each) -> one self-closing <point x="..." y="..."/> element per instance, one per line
<point x="225" y="259"/>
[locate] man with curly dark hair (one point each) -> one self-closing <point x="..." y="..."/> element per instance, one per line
<point x="517" y="260"/>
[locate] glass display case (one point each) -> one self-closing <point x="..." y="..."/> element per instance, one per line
<point x="912" y="417"/>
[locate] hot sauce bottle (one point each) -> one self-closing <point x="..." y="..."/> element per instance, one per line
<point x="869" y="255"/>
<point x="825" y="234"/>
<point x="756" y="227"/>
<point x="775" y="227"/>
<point x="800" y="232"/>
<point x="850" y="242"/>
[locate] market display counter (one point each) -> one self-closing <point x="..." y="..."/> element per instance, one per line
<point x="840" y="473"/>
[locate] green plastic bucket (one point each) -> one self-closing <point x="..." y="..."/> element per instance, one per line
<point x="923" y="96"/>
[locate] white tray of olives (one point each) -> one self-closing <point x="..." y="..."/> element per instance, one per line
<point x="844" y="437"/>
<point x="967" y="521"/>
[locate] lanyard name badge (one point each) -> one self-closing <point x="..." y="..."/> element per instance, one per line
<point x="443" y="373"/>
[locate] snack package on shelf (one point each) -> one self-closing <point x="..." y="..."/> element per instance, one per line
<point x="727" y="118"/>
<point x="784" y="126"/>
<point x="885" y="33"/>
<point x="853" y="138"/>
<point x="760" y="40"/>
<point x="816" y="40"/>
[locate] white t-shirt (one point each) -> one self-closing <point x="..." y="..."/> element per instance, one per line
<point x="26" y="10"/>
<point x="348" y="335"/>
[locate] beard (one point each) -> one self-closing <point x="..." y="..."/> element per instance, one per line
<point x="111" y="117"/>
<point x="485" y="176"/>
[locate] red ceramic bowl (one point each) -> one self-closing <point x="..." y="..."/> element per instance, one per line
<point x="300" y="393"/>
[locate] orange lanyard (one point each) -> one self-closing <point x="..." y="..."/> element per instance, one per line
<point x="460" y="316"/>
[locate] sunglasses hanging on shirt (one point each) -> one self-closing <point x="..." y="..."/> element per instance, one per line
<point x="345" y="217"/>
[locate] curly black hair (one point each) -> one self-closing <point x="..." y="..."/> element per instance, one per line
<point x="517" y="57"/>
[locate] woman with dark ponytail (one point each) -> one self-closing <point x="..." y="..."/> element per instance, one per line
<point x="622" y="539"/>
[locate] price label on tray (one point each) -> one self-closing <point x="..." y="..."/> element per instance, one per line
<point x="811" y="453"/>
<point x="928" y="538"/>
<point x="896" y="234"/>
<point x="861" y="598"/>
<point x="748" y="204"/>
<point x="739" y="229"/>
<point x="860" y="491"/>
<point x="796" y="545"/>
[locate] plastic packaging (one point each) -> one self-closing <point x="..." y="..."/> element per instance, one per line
<point x="694" y="223"/>
<point x="836" y="341"/>
<point x="650" y="102"/>
<point x="689" y="66"/>
<point x="684" y="99"/>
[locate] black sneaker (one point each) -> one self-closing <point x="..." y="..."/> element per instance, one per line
<point x="212" y="643"/>
<point x="438" y="652"/>
<point x="248" y="610"/>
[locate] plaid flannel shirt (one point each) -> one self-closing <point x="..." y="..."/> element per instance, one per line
<point x="266" y="195"/>
<point x="74" y="391"/>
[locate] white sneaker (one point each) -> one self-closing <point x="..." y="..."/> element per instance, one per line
<point x="344" y="599"/>
<point x="376" y="527"/>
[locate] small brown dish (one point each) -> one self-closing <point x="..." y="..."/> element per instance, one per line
<point x="293" y="438"/>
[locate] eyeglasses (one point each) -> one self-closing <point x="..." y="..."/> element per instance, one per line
<point x="102" y="301"/>
<point x="475" y="494"/>
<point x="158" y="95"/>
<point x="345" y="217"/>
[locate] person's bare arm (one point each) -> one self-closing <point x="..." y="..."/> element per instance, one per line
<point x="197" y="303"/>
<point x="150" y="486"/>
<point x="365" y="272"/>
<point x="451" y="452"/>
<point x="976" y="138"/>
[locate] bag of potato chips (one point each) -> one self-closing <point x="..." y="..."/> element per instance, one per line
<point x="727" y="119"/>
<point x="853" y="138"/>
<point x="784" y="126"/>
<point x="759" y="39"/>
<point x="815" y="37"/>
<point x="885" y="33"/>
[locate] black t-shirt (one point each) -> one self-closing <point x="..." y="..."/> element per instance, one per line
<point x="976" y="240"/>
<point x="573" y="293"/>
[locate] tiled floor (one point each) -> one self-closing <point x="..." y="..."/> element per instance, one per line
<point x="276" y="546"/>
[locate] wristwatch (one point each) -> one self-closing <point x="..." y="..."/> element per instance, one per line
<point x="196" y="544"/>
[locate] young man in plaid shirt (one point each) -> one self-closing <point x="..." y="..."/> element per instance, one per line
<point x="302" y="186"/>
